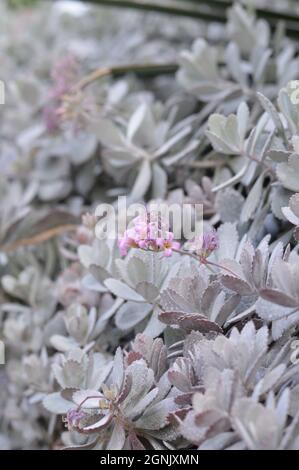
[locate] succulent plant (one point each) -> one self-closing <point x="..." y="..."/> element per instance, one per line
<point x="149" y="340"/>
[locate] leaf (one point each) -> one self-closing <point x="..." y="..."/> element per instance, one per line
<point x="228" y="241"/>
<point x="288" y="173"/>
<point x="142" y="181"/>
<point x="108" y="134"/>
<point x="159" y="182"/>
<point x="236" y="284"/>
<point x="130" y="314"/>
<point x="83" y="147"/>
<point x="144" y="403"/>
<point x="294" y="204"/>
<point x="148" y="291"/>
<point x="253" y="199"/>
<point x="155" y="417"/>
<point x="229" y="205"/>
<point x="118" y="370"/>
<point x="117" y="438"/>
<point x="120" y="289"/>
<point x="234" y="64"/>
<point x="198" y="322"/>
<point x="278" y="297"/>
<point x="270" y="109"/>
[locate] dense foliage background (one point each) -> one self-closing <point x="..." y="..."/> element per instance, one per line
<point x="149" y="344"/>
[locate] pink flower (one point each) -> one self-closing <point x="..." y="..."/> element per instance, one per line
<point x="51" y="119"/>
<point x="73" y="418"/>
<point x="204" y="246"/>
<point x="210" y="243"/>
<point x="148" y="233"/>
<point x="63" y="74"/>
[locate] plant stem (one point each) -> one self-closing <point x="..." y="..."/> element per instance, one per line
<point x="116" y="71"/>
<point x="205" y="261"/>
<point x="207" y="13"/>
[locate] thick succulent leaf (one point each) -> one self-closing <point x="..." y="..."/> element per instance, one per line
<point x="120" y="289"/>
<point x="130" y="314"/>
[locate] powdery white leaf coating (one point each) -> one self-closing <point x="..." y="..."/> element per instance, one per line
<point x="165" y="343"/>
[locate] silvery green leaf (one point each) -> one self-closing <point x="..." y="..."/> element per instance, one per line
<point x="83" y="148"/>
<point x="54" y="190"/>
<point x="270" y="109"/>
<point x="260" y="60"/>
<point x="229" y="205"/>
<point x="176" y="157"/>
<point x="155" y="417"/>
<point x="130" y="314"/>
<point x="108" y="134"/>
<point x="269" y="381"/>
<point x="72" y="373"/>
<point x="142" y="181"/>
<point x="143" y="404"/>
<point x="234" y="63"/>
<point x="122" y="290"/>
<point x="89" y="282"/>
<point x="255" y="135"/>
<point x="227" y="133"/>
<point x="147" y="290"/>
<point x="159" y="182"/>
<point x="289" y="110"/>
<point x="255" y="436"/>
<point x="118" y="368"/>
<point x="245" y="30"/>
<point x="154" y="327"/>
<point x="118" y="438"/>
<point x="62" y="343"/>
<point x="294" y="401"/>
<point x="288" y="173"/>
<point x="228" y="241"/>
<point x="141" y="127"/>
<point x="279" y="198"/>
<point x="294" y="204"/>
<point x="143" y="379"/>
<point x="253" y="199"/>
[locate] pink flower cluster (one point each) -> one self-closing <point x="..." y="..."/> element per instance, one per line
<point x="148" y="233"/>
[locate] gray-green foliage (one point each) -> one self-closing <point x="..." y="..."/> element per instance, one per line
<point x="149" y="352"/>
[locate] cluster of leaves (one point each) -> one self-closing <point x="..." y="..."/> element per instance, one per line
<point x="148" y="352"/>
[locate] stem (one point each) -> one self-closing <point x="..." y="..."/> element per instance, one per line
<point x="88" y="398"/>
<point x="204" y="164"/>
<point x="264" y="164"/>
<point x="207" y="13"/>
<point x="235" y="179"/>
<point x="205" y="261"/>
<point x="139" y="69"/>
